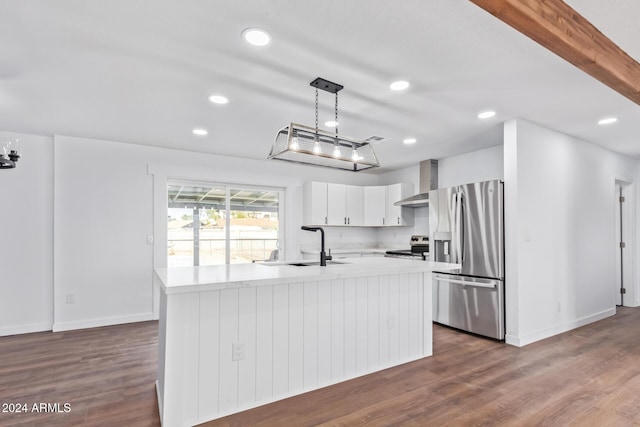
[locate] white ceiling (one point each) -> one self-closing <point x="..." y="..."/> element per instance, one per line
<point x="142" y="72"/>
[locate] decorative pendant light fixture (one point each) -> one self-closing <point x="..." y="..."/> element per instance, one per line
<point x="9" y="154"/>
<point x="303" y="144"/>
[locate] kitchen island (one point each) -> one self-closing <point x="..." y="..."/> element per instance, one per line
<point x="234" y="337"/>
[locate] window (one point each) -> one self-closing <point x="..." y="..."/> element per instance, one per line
<point x="211" y="224"/>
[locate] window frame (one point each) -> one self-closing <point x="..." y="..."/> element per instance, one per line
<point x="228" y="186"/>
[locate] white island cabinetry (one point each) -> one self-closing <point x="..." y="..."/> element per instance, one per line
<point x="235" y="337"/>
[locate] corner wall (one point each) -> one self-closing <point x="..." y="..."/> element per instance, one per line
<point x="560" y="239"/>
<point x="26" y="242"/>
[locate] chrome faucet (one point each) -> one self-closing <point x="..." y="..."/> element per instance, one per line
<point x="323" y="256"/>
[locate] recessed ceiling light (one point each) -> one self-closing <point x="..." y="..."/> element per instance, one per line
<point x="256" y="37"/>
<point x="608" y="121"/>
<point x="486" y="114"/>
<point x="409" y="141"/>
<point x="399" y="85"/>
<point x="200" y="132"/>
<point x="218" y="99"/>
<point x="330" y="124"/>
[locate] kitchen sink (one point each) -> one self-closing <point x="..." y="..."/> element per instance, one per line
<point x="303" y="263"/>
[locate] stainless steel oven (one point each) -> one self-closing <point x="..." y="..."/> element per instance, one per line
<point x="419" y="249"/>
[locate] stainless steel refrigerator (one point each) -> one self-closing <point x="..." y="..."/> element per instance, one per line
<point x="466" y="226"/>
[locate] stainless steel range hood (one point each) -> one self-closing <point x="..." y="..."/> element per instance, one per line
<point x="428" y="182"/>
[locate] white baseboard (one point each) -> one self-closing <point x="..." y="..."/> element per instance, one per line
<point x="25" y="329"/>
<point x="521" y="341"/>
<point x="159" y="400"/>
<point x="105" y="321"/>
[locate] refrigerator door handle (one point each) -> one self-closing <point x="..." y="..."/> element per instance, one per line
<point x="454" y="201"/>
<point x="491" y="284"/>
<point x="461" y="226"/>
<point x="457" y="233"/>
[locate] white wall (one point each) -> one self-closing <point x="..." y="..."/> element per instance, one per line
<point x="26" y="238"/>
<point x="560" y="238"/>
<point x="475" y="166"/>
<point x="110" y="196"/>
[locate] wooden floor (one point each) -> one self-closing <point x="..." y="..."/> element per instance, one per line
<point x="586" y="377"/>
<point x="106" y="375"/>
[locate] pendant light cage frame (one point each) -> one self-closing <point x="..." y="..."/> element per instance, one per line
<point x="303" y="144"/>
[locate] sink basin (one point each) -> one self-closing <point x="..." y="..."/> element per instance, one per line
<point x="304" y="263"/>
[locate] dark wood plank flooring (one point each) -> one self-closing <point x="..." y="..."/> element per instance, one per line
<point x="586" y="377"/>
<point x="107" y="376"/>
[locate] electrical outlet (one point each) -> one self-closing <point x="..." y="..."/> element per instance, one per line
<point x="390" y="322"/>
<point x="71" y="298"/>
<point x="150" y="239"/>
<point x="237" y="351"/>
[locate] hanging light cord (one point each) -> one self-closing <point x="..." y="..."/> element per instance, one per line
<point x="336" y="118"/>
<point x="316" y="114"/>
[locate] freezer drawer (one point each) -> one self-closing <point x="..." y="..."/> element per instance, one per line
<point x="469" y="303"/>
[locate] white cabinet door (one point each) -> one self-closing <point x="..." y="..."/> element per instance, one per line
<point x="315" y="203"/>
<point x="355" y="205"/>
<point x="374" y="205"/>
<point x="396" y="215"/>
<point x="336" y="204"/>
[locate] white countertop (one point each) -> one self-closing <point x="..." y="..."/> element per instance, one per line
<point x="215" y="277"/>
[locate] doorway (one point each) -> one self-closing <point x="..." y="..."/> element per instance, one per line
<point x="624" y="290"/>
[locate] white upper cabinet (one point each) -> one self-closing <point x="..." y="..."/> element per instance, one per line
<point x="375" y="200"/>
<point x="353" y="205"/>
<point x="396" y="215"/>
<point x="345" y="204"/>
<point x="336" y="204"/>
<point x="315" y="203"/>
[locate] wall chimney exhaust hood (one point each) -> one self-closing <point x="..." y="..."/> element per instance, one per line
<point x="428" y="182"/>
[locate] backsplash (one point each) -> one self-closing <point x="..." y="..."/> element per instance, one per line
<point x="367" y="237"/>
<point x="399" y="236"/>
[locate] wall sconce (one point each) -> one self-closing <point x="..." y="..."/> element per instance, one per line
<point x="9" y="154"/>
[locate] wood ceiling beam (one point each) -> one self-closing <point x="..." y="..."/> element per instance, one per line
<point x="559" y="28"/>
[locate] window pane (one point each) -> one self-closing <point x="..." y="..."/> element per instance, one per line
<point x="180" y="237"/>
<point x="254" y="225"/>
<point x="197" y="233"/>
<point x="201" y="205"/>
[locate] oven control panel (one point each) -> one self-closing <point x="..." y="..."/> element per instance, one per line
<point x="419" y="240"/>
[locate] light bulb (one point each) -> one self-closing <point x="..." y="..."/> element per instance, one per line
<point x="294" y="145"/>
<point x="354" y="155"/>
<point x="336" y="152"/>
<point x="316" y="148"/>
<point x="6" y="148"/>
